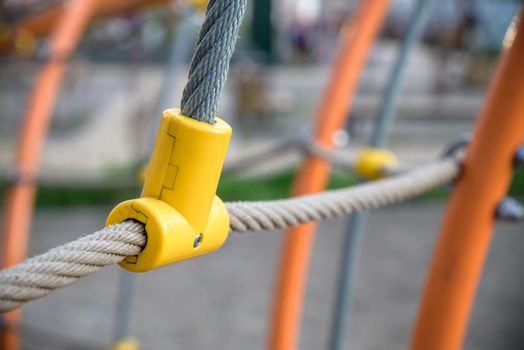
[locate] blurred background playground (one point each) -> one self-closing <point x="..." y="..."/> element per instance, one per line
<point x="101" y="133"/>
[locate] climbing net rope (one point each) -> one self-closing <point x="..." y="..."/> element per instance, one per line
<point x="61" y="266"/>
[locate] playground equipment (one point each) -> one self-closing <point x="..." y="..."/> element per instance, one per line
<point x="36" y="123"/>
<point x="181" y="48"/>
<point x="381" y="131"/>
<point x="313" y="175"/>
<point x="468" y="225"/>
<point x="483" y="182"/>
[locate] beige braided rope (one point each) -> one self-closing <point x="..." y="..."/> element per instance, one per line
<point x="279" y="214"/>
<point x="61" y="266"/>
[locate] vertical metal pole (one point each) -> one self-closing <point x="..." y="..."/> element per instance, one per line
<point x="312" y="177"/>
<point x="181" y="48"/>
<point x="345" y="287"/>
<point x="354" y="228"/>
<point x="386" y="115"/>
<point x="124" y="302"/>
<point x="468" y="225"/>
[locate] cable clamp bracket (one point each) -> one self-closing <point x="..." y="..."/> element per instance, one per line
<point x="182" y="215"/>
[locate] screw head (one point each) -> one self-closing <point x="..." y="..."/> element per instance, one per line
<point x="198" y="240"/>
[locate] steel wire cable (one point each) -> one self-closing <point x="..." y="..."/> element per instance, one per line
<point x="210" y="64"/>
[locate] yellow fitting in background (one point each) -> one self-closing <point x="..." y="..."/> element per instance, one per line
<point x="182" y="215"/>
<point x="196" y="5"/>
<point x="25" y="43"/>
<point x="200" y="5"/>
<point x="371" y="162"/>
<point x="126" y="344"/>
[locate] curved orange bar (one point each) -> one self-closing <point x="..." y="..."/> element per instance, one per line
<point x="359" y="35"/>
<point x="20" y="197"/>
<point x="41" y="24"/>
<point x="467" y="230"/>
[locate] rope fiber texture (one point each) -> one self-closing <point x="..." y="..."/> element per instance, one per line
<point x="285" y="213"/>
<point x="61" y="266"/>
<point x="210" y="64"/>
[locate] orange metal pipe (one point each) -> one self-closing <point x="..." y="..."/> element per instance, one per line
<point x="42" y="23"/>
<point x="467" y="230"/>
<point x="359" y="35"/>
<point x="21" y="196"/>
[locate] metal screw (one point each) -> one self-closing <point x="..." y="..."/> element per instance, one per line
<point x="518" y="161"/>
<point x="454" y="149"/>
<point x="509" y="209"/>
<point x="459" y="144"/>
<point x="198" y="240"/>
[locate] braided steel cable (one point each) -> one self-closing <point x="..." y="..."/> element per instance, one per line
<point x="210" y="64"/>
<point x="61" y="266"/>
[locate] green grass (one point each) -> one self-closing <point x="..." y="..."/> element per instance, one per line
<point x="238" y="187"/>
<point x="517" y="186"/>
<point x="231" y="188"/>
<point x="69" y="197"/>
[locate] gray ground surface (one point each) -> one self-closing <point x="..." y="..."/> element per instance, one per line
<point x="222" y="301"/>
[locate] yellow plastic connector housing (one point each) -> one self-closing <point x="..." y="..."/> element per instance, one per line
<point x="182" y="215"/>
<point x="126" y="344"/>
<point x="371" y="162"/>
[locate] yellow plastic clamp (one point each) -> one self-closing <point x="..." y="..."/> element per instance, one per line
<point x="126" y="344"/>
<point x="182" y="215"/>
<point x="371" y="162"/>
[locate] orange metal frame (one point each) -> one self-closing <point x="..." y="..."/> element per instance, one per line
<point x="71" y="21"/>
<point x="359" y="34"/>
<point x="20" y="197"/>
<point x="467" y="230"/>
<point x="42" y="23"/>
